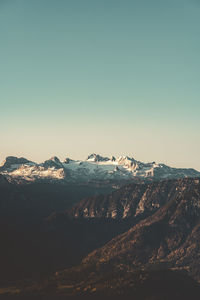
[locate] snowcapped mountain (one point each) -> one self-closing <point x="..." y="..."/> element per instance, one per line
<point x="95" y="168"/>
<point x="13" y="163"/>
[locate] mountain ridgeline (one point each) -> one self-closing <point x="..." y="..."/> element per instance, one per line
<point x="108" y="227"/>
<point x="95" y="168"/>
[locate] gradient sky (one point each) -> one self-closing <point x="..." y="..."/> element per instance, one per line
<point x="111" y="76"/>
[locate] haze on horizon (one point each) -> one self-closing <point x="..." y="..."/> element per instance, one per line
<point x="111" y="77"/>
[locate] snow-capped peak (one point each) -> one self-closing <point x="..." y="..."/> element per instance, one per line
<point x="125" y="158"/>
<point x="127" y="161"/>
<point x="13" y="162"/>
<point x="94" y="168"/>
<point x="97" y="158"/>
<point x="55" y="159"/>
<point x="52" y="162"/>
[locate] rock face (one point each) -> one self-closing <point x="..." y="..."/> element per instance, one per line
<point x="171" y="235"/>
<point x="134" y="201"/>
<point x="53" y="162"/>
<point x="95" y="168"/>
<point x="165" y="237"/>
<point x="97" y="158"/>
<point x="12" y="162"/>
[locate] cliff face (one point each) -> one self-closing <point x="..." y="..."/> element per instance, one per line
<point x="134" y="201"/>
<point x="170" y="235"/>
<point x="168" y="238"/>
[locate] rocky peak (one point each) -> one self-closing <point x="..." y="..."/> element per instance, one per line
<point x="96" y="158"/>
<point x="126" y="161"/>
<point x="55" y="159"/>
<point x="68" y="160"/>
<point x="52" y="162"/>
<point x="11" y="161"/>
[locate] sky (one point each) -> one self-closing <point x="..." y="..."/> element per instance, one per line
<point x="114" y="77"/>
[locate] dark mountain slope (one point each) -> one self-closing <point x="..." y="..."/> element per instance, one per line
<point x="114" y="285"/>
<point x="169" y="239"/>
<point x="83" y="233"/>
<point x="27" y="247"/>
<point x="135" y="201"/>
<point x="161" y="237"/>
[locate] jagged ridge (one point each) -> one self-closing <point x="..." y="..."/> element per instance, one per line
<point x="94" y="168"/>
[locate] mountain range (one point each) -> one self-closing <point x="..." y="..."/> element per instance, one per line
<point x="162" y="237"/>
<point x="94" y="169"/>
<point x="117" y="252"/>
<point x="94" y="234"/>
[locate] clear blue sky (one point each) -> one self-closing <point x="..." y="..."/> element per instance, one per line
<point x="110" y="76"/>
